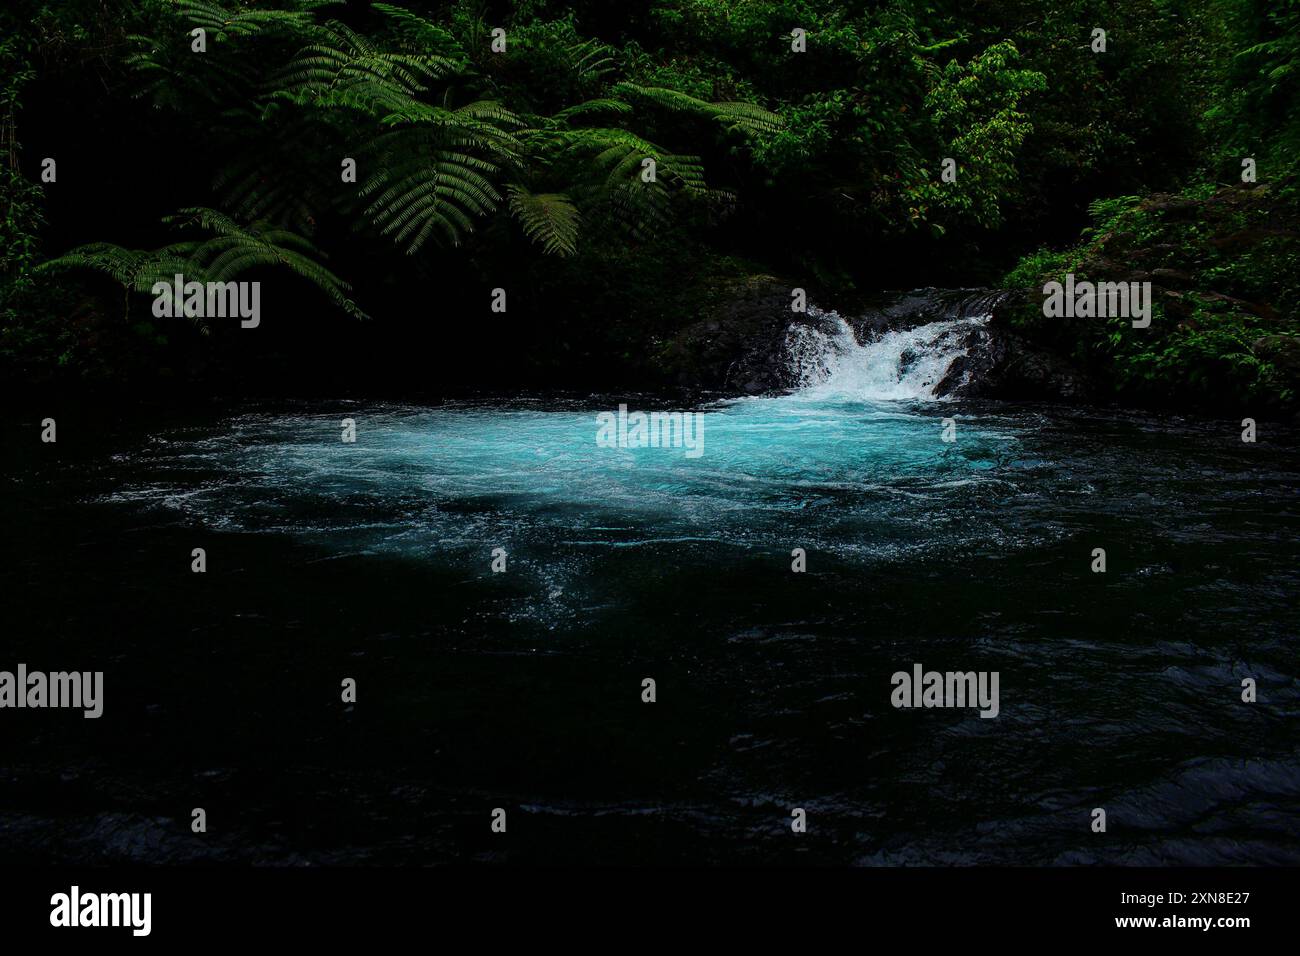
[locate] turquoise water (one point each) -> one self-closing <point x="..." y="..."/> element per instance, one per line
<point x="521" y="689"/>
<point x="463" y="474"/>
<point x="831" y="467"/>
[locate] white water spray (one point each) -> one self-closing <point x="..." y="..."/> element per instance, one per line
<point x="901" y="365"/>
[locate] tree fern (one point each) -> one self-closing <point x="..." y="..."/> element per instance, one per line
<point x="550" y="219"/>
<point x="222" y="22"/>
<point x="278" y="178"/>
<point x="589" y="59"/>
<point x="235" y="249"/>
<point x="433" y="174"/>
<point x="343" y="68"/>
<point x="173" y="75"/>
<point x="601" y="106"/>
<point x="748" y="118"/>
<point x="231" y="251"/>
<point x="419" y="105"/>
<point x="422" y="35"/>
<point x="422" y="186"/>
<point x="136" y="270"/>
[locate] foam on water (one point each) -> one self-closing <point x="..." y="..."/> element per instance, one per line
<point x="1118" y="689"/>
<point x="901" y="365"/>
<point x="855" y="453"/>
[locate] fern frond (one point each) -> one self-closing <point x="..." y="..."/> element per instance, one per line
<point x="233" y="249"/>
<point x="248" y="21"/>
<point x="748" y="118"/>
<point x="421" y="34"/>
<point x="596" y="107"/>
<point x="344" y="69"/>
<point x="550" y="219"/>
<point x="590" y="59"/>
<point x="236" y="248"/>
<point x="423" y="183"/>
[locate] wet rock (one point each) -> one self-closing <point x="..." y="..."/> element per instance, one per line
<point x="740" y="348"/>
<point x="1004" y="365"/>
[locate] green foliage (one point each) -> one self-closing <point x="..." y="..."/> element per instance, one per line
<point x="425" y="182"/>
<point x="1259" y="114"/>
<point x="976" y="109"/>
<point x="550" y="219"/>
<point x="20" y="207"/>
<point x="745" y="118"/>
<point x="440" y="147"/>
<point x="230" y="251"/>
<point x="342" y="69"/>
<point x="1034" y="269"/>
<point x="21" y="215"/>
<point x="1225" y="270"/>
<point x="824" y="164"/>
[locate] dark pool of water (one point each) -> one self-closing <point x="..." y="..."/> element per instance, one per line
<point x="522" y="690"/>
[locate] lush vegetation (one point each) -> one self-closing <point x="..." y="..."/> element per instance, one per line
<point x="506" y="146"/>
<point x="1223" y="260"/>
<point x="1224" y="266"/>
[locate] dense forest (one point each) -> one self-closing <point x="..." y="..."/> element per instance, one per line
<point x="622" y="171"/>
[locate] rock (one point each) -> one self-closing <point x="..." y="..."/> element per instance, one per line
<point x="1263" y="310"/>
<point x="1282" y="350"/>
<point x="1007" y="366"/>
<point x="1173" y="277"/>
<point x="1176" y="306"/>
<point x="1173" y="206"/>
<point x="740" y="347"/>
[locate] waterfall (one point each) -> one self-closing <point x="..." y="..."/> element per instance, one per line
<point x="829" y="362"/>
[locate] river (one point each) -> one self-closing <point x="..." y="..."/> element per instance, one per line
<point x="522" y="689"/>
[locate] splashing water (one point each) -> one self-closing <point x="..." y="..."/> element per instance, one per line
<point x="901" y="365"/>
<point x="859" y="439"/>
<point x="373" y="558"/>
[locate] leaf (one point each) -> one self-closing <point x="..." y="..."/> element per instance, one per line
<point x="550" y="219"/>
